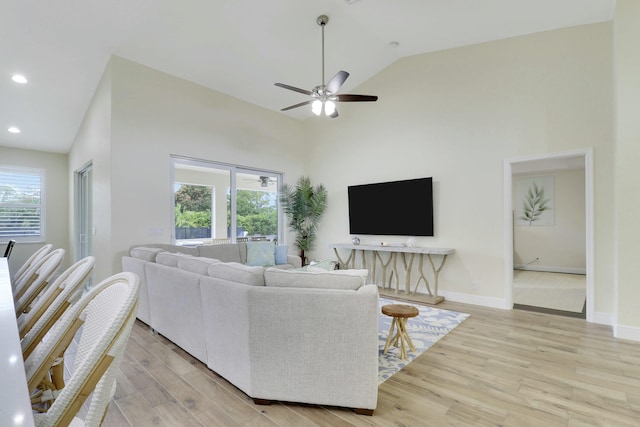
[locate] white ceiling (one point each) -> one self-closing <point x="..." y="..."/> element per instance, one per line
<point x="238" y="47"/>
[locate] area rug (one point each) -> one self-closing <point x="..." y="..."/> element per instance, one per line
<point x="425" y="330"/>
<point x="556" y="291"/>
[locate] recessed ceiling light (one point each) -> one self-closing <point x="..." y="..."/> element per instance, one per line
<point x="394" y="44"/>
<point x="14" y="129"/>
<point x="19" y="78"/>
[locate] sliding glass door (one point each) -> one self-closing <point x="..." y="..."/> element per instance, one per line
<point x="217" y="203"/>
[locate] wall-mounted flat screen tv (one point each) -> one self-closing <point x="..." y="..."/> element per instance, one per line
<point x="395" y="208"/>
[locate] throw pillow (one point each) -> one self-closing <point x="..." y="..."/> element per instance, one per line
<point x="281" y="254"/>
<point x="260" y="254"/>
<point x="236" y="272"/>
<point x="338" y="279"/>
<point x="145" y="253"/>
<point x="170" y="259"/>
<point x="199" y="265"/>
<point x="326" y="265"/>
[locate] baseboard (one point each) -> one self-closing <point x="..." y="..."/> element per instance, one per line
<point x="627" y="332"/>
<point x="551" y="269"/>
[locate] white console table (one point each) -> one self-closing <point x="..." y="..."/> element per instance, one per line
<point x="392" y="262"/>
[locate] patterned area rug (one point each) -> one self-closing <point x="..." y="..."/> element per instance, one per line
<point x="425" y="330"/>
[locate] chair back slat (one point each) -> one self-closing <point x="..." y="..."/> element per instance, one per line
<point x="30" y="261"/>
<point x="42" y="276"/>
<point x="66" y="289"/>
<point x="108" y="312"/>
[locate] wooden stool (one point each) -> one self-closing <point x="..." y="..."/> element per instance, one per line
<point x="400" y="314"/>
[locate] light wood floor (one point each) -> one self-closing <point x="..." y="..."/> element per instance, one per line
<point x="499" y="368"/>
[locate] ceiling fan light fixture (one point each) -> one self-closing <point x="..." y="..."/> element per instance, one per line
<point x="324" y="96"/>
<point x="316" y="107"/>
<point x="329" y="107"/>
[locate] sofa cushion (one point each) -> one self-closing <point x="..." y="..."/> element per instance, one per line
<point x="198" y="265"/>
<point x="325" y="265"/>
<point x="170" y="259"/>
<point x="260" y="253"/>
<point x="145" y="253"/>
<point x="338" y="279"/>
<point x="281" y="254"/>
<point x="228" y="252"/>
<point x="236" y="272"/>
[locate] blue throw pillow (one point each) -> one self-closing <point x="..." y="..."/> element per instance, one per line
<point x="260" y="254"/>
<point x="281" y="254"/>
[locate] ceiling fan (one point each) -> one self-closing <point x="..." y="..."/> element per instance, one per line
<point x="324" y="96"/>
<point x="264" y="181"/>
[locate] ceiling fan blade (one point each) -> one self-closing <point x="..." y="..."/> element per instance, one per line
<point x="337" y="81"/>
<point x="293" y="88"/>
<point x="297" y="105"/>
<point x="355" y="98"/>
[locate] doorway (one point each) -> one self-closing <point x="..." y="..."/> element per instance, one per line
<point x="527" y="276"/>
<point x="84" y="235"/>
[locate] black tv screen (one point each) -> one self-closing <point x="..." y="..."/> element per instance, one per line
<point x="395" y="208"/>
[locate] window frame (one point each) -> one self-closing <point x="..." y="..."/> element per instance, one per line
<point x="41" y="173"/>
<point x="233" y="171"/>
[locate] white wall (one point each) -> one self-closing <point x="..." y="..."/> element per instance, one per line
<point x="456" y="115"/>
<point x="627" y="149"/>
<point x="155" y="115"/>
<point x="560" y="247"/>
<point x="93" y="144"/>
<point x="56" y="197"/>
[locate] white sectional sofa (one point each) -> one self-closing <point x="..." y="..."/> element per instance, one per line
<point x="276" y="333"/>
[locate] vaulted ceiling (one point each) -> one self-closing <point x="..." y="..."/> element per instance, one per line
<point x="239" y="47"/>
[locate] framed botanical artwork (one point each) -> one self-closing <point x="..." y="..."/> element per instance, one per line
<point x="534" y="201"/>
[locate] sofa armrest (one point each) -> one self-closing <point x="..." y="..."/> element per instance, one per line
<point x="294" y="260"/>
<point x="306" y="341"/>
<point x="294" y="344"/>
<point x="137" y="266"/>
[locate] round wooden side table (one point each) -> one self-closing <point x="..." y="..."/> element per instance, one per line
<point x="400" y="314"/>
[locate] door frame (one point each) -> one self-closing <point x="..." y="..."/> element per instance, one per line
<point x="587" y="154"/>
<point x="84" y="226"/>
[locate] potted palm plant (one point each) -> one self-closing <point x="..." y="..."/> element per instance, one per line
<point x="304" y="205"/>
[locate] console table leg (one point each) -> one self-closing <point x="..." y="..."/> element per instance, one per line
<point x="394" y="270"/>
<point x="422" y="277"/>
<point x="436" y="273"/>
<point x="374" y="269"/>
<point x="345" y="263"/>
<point x="384" y="269"/>
<point x="407" y="268"/>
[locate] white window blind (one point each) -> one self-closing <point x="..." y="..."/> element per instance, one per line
<point x="21" y="204"/>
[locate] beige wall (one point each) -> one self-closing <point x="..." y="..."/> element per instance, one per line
<point x="155" y="115"/>
<point x="93" y="145"/>
<point x="627" y="149"/>
<point x="560" y="247"/>
<point x="56" y="199"/>
<point x="456" y="115"/>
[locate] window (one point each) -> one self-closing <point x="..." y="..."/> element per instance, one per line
<point x="21" y="204"/>
<point x="217" y="203"/>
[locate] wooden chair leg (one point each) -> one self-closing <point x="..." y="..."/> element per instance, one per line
<point x="57" y="375"/>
